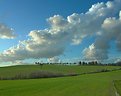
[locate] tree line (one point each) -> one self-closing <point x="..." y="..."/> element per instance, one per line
<point x="80" y="63"/>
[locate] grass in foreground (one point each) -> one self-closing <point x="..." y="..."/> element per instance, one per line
<point x="99" y="84"/>
<point x="118" y="86"/>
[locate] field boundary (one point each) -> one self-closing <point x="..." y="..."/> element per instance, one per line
<point x="115" y="90"/>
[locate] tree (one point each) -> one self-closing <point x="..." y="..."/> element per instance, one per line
<point x="118" y="63"/>
<point x="96" y="63"/>
<point x="80" y="63"/>
<point x="84" y="63"/>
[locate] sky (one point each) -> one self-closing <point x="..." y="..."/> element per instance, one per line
<point x="59" y="31"/>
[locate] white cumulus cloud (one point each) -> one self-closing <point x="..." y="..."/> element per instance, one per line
<point x="111" y="31"/>
<point x="6" y="32"/>
<point x="54" y="60"/>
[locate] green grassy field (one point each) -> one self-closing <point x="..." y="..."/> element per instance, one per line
<point x="27" y="69"/>
<point x="118" y="86"/>
<point x="98" y="84"/>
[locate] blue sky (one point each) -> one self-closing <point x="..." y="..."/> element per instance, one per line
<point x="27" y="15"/>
